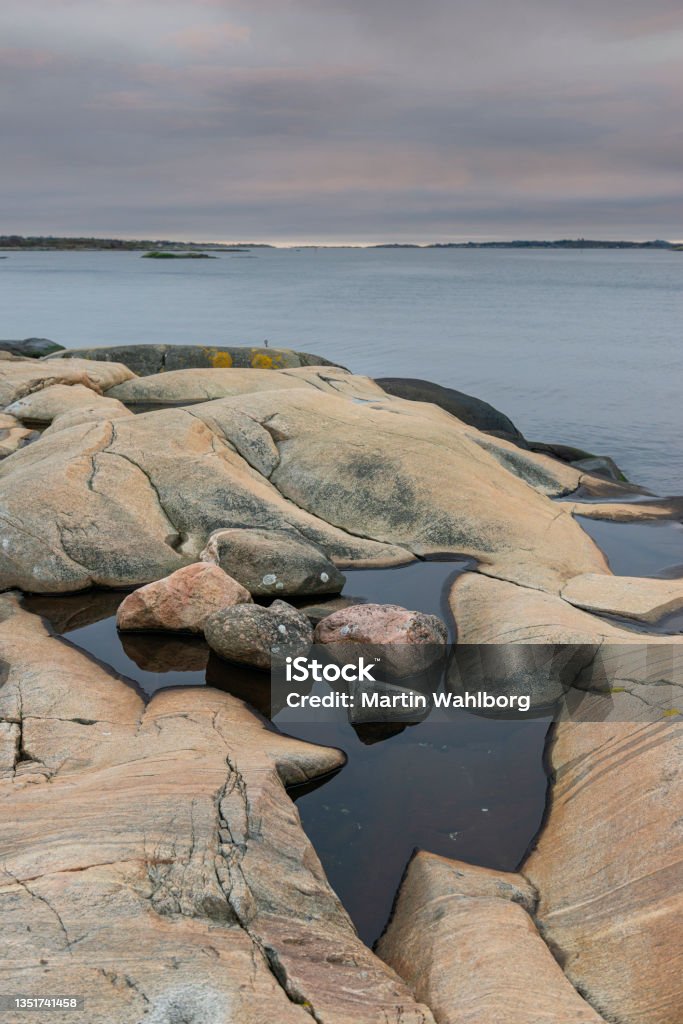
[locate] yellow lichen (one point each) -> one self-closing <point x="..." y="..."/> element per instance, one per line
<point x="260" y="361"/>
<point x="671" y="712"/>
<point x="221" y="359"/>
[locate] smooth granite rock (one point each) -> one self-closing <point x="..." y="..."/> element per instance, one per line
<point x="250" y="634"/>
<point x="369" y="481"/>
<point x="633" y="597"/>
<point x="470" y="410"/>
<point x="45" y="405"/>
<point x="490" y="611"/>
<point x="30" y="348"/>
<point x="182" y="601"/>
<point x="91" y="413"/>
<point x="152" y="861"/>
<point x="13" y="435"/>
<point x="600" y="465"/>
<point x="148" y="359"/>
<point x="191" y="386"/>
<point x="609" y="864"/>
<point x="273" y="562"/>
<point x="21" y="377"/>
<point x="643" y="511"/>
<point x="464" y="939"/>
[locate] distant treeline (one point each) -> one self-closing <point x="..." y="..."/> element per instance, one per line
<point x="160" y="245"/>
<point x="560" y="243"/>
<point x="55" y="242"/>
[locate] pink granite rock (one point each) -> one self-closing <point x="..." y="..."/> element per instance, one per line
<point x="406" y="642"/>
<point x="181" y="601"/>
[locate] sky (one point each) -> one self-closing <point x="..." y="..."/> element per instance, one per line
<point x="354" y="121"/>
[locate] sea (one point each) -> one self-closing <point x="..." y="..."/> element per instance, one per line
<point x="580" y="347"/>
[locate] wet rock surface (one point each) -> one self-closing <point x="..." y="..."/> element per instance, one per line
<point x="273" y="562"/>
<point x="252" y="635"/>
<point x="158" y="858"/>
<point x="182" y="601"/>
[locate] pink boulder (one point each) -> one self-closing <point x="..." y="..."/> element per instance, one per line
<point x="181" y="601"/>
<point x="405" y="641"/>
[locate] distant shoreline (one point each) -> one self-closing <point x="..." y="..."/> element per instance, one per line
<point x="46" y="243"/>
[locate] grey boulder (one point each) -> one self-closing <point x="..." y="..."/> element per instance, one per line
<point x="252" y="635"/>
<point x="275" y="562"/>
<point x="30" y="348"/>
<point x="148" y="359"/>
<point x="466" y="408"/>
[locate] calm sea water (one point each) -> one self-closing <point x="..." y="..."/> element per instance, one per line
<point x="582" y="347"/>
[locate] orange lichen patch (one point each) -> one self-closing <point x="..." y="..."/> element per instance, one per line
<point x="220" y="359"/>
<point x="261" y="361"/>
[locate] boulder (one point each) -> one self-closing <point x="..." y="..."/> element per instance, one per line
<point x="44" y="405"/>
<point x="31" y="348"/>
<point x="152" y="861"/>
<point x="13" y="435"/>
<point x="23" y="376"/>
<point x="182" y="601"/>
<point x="600" y="465"/>
<point x="273" y="562"/>
<point x="464" y="939"/>
<point x="370" y="482"/>
<point x="148" y="359"/>
<point x="252" y="635"/>
<point x="633" y="597"/>
<point x="406" y="642"/>
<point x="183" y="387"/>
<point x="472" y="411"/>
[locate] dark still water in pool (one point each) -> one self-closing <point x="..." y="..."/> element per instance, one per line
<point x="580" y="347"/>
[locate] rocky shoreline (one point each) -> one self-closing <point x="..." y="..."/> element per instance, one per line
<point x="153" y="847"/>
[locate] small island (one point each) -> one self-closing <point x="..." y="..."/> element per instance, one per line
<point x="156" y="255"/>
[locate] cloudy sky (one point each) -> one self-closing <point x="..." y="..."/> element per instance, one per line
<point x="342" y="120"/>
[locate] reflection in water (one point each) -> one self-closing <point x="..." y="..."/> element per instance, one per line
<point x="467" y="788"/>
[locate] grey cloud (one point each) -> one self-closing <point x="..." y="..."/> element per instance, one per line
<point x="381" y="119"/>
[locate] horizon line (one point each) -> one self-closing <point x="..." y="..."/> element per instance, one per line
<point x="337" y="243"/>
